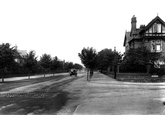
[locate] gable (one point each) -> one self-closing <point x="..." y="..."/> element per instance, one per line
<point x="127" y="38"/>
<point x="157" y="25"/>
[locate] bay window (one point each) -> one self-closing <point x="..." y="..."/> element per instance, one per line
<point x="156" y="46"/>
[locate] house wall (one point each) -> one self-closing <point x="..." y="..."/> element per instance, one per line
<point x="137" y="44"/>
<point x="147" y="44"/>
<point x="127" y="47"/>
<point x="163" y="47"/>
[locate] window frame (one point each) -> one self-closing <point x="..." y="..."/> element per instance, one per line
<point x="154" y="45"/>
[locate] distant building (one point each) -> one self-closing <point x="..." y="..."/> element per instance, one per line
<point x="151" y="36"/>
<point x="22" y="53"/>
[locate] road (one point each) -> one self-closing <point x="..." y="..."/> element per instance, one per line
<point x="69" y="95"/>
<point x="106" y="96"/>
<point x="37" y="95"/>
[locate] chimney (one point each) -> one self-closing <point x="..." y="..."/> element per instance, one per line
<point x="114" y="49"/>
<point x="142" y="26"/>
<point x="133" y="23"/>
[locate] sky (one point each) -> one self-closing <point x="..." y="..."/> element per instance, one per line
<point x="63" y="28"/>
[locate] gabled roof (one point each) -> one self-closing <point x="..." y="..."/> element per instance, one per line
<point x="129" y="36"/>
<point x="157" y="18"/>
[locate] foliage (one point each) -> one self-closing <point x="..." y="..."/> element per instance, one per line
<point x="45" y="62"/>
<point x="135" y="60"/>
<point x="88" y="57"/>
<point x="30" y="62"/>
<point x="78" y="66"/>
<point x="55" y="64"/>
<point x="117" y="58"/>
<point x="8" y="55"/>
<point x="14" y="64"/>
<point x="107" y="58"/>
<point x="68" y="66"/>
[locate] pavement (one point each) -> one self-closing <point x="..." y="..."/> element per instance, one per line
<point x="33" y="87"/>
<point x="106" y="96"/>
<point x="32" y="77"/>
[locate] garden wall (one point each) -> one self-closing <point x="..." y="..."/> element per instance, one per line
<point x="136" y="77"/>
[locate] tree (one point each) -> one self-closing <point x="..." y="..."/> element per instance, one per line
<point x="45" y="62"/>
<point x="135" y="60"/>
<point x="8" y="55"/>
<point x="30" y="62"/>
<point x="88" y="57"/>
<point x="116" y="60"/>
<point x="105" y="59"/>
<point x="68" y="66"/>
<point x="55" y="64"/>
<point x="78" y="66"/>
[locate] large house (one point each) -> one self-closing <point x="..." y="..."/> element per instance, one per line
<point x="151" y="36"/>
<point x="20" y="55"/>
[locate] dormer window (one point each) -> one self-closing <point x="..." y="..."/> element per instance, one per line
<point x="150" y="30"/>
<point x="163" y="29"/>
<point x="157" y="28"/>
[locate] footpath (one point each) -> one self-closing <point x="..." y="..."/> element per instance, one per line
<point x="32" y="77"/>
<point x="106" y="96"/>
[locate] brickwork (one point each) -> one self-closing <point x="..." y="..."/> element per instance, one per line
<point x="145" y="35"/>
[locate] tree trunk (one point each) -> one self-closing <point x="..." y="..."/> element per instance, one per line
<point x="115" y="70"/>
<point x="53" y="73"/>
<point x="44" y="73"/>
<point x="87" y="75"/>
<point x="29" y="76"/>
<point x="2" y="75"/>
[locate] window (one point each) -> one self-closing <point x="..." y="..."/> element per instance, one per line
<point x="163" y="29"/>
<point x="150" y="30"/>
<point x="153" y="46"/>
<point x="155" y="28"/>
<point x="156" y="46"/>
<point x="159" y="28"/>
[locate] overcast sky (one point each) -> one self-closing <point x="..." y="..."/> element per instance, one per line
<point x="63" y="27"/>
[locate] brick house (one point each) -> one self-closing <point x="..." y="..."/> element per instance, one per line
<point x="20" y="55"/>
<point x="151" y="36"/>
